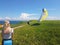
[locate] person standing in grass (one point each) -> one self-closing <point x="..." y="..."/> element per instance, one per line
<point x="28" y="22"/>
<point x="7" y="32"/>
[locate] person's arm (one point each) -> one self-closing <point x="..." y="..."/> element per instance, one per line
<point x="2" y="33"/>
<point x="1" y="26"/>
<point x="12" y="31"/>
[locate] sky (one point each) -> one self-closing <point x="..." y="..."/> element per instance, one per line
<point x="29" y="9"/>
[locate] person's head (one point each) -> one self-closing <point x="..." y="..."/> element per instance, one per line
<point x="6" y="24"/>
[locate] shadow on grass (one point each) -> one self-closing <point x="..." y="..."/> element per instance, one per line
<point x="35" y="24"/>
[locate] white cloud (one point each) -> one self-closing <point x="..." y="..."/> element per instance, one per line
<point x="7" y="18"/>
<point x="52" y="18"/>
<point x="1" y="18"/>
<point x="52" y="9"/>
<point x="26" y="16"/>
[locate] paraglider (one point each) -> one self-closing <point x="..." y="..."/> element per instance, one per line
<point x="44" y="15"/>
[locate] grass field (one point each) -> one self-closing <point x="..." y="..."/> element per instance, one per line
<point x="45" y="33"/>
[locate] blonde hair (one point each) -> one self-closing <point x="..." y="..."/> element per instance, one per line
<point x="6" y="24"/>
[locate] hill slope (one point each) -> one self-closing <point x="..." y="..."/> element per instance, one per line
<point x="45" y="33"/>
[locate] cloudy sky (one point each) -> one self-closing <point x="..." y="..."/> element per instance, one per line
<point x="29" y="9"/>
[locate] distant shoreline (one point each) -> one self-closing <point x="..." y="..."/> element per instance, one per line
<point x="11" y="22"/>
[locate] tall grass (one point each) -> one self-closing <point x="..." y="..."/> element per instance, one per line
<point x="46" y="33"/>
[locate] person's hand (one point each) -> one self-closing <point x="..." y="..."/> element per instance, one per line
<point x="1" y="26"/>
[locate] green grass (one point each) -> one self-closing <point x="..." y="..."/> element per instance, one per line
<point x="47" y="33"/>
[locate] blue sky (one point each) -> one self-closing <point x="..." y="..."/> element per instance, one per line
<point x="17" y="9"/>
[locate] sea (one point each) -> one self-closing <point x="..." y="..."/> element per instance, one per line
<point x="11" y="22"/>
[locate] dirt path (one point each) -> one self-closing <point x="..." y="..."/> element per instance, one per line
<point x="18" y="27"/>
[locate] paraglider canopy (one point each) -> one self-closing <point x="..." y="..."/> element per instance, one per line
<point x="44" y="9"/>
<point x="44" y="14"/>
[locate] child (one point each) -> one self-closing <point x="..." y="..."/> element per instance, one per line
<point x="7" y="32"/>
